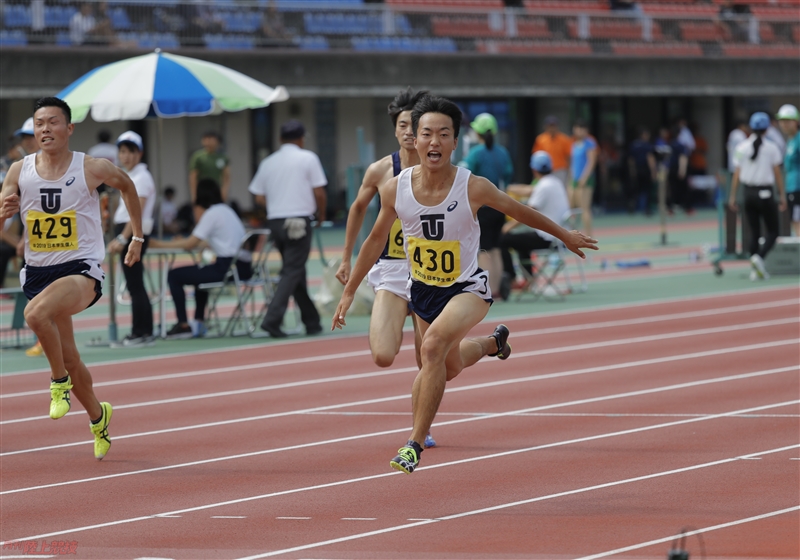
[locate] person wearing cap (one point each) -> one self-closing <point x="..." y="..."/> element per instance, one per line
<point x="788" y="117"/>
<point x="131" y="148"/>
<point x="757" y="162"/>
<point x="291" y="184"/>
<point x="548" y="196"/>
<point x="209" y="163"/>
<point x="27" y="140"/>
<point x="490" y="160"/>
<point x="55" y="192"/>
<point x="557" y="144"/>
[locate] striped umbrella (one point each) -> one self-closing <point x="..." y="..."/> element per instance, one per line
<point x="164" y="85"/>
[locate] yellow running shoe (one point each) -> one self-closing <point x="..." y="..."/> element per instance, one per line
<point x="35" y="351"/>
<point x="100" y="431"/>
<point x="59" y="398"/>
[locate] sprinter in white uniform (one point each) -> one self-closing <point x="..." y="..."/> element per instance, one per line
<point x="55" y="192"/>
<point x="437" y="204"/>
<point x="389" y="275"/>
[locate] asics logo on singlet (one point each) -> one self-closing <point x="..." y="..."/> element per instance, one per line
<point x="433" y="226"/>
<point x="70" y="181"/>
<point x="452" y="206"/>
<point x="51" y="200"/>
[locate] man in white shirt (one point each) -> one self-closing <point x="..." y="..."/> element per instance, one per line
<point x="548" y="196"/>
<point x="291" y="184"/>
<point x="130" y="156"/>
<point x="736" y="137"/>
<point x="81" y="24"/>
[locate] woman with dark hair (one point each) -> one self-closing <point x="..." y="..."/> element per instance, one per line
<point x="219" y="228"/>
<point x="757" y="166"/>
<point x="491" y="160"/>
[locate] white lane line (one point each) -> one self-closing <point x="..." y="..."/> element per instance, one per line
<point x="228" y="517"/>
<point x="361" y="436"/>
<point x="569" y="313"/>
<point x="513" y="504"/>
<point x="293" y="518"/>
<point x="517" y="334"/>
<point x="440" y="465"/>
<point x="455" y="390"/>
<point x="359" y="518"/>
<point x="672" y="538"/>
<point x="441" y="414"/>
<point x="379" y="373"/>
<point x="419" y="519"/>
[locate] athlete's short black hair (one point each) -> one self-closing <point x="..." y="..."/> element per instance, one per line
<point x="433" y="104"/>
<point x="404" y="101"/>
<point x="208" y="193"/>
<point x="54" y="102"/>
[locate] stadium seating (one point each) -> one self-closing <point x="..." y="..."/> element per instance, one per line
<point x="447" y="4"/>
<point x="150" y="40"/>
<point x="544" y="48"/>
<point x="403" y="44"/>
<point x="229" y="42"/>
<point x="582" y="6"/>
<point x="759" y="51"/>
<point x="624" y="48"/>
<point x="632" y="29"/>
<point x="16" y="15"/>
<point x="14" y="38"/>
<point x="704" y="31"/>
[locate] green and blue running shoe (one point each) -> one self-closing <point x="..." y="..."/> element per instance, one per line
<point x="407" y="457"/>
<point x="429" y="441"/>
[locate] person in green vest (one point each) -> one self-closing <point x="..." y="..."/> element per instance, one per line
<point x="210" y="163"/>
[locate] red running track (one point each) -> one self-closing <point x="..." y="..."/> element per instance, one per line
<point x="605" y="434"/>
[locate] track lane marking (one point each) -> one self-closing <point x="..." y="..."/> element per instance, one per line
<point x="450" y="464"/>
<point x="672" y="538"/>
<point x="438" y="424"/>
<point x="531" y="316"/>
<point x="394" y="371"/>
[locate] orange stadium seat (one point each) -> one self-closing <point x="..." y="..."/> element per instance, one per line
<point x="615" y="29"/>
<point x="533" y="27"/>
<point x="583" y="6"/>
<point x="759" y="51"/>
<point x="776" y="12"/>
<point x="508" y="46"/>
<point x="464" y="26"/>
<point x="704" y="31"/>
<point x="656" y="49"/>
<point x="446" y="4"/>
<point x="674" y="9"/>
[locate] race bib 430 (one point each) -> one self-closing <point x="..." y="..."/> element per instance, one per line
<point x="436" y="263"/>
<point x="396" y="250"/>
<point x="52" y="232"/>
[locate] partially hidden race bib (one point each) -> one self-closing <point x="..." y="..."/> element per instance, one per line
<point x="436" y="263"/>
<point x="396" y="250"/>
<point x="52" y="232"/>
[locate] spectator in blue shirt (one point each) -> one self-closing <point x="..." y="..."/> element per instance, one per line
<point x="582" y="164"/>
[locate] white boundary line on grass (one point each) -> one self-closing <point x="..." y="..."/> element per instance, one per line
<point x="449" y="464"/>
<point x="438" y="424"/>
<point x="672" y="538"/>
<point x="613" y="306"/>
<point x="329" y="357"/>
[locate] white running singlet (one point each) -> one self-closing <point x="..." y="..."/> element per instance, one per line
<point x="442" y="241"/>
<point x="62" y="217"/>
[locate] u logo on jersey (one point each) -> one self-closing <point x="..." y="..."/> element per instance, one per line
<point x="433" y="226"/>
<point x="51" y="200"/>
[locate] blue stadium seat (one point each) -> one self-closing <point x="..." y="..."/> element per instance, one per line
<point x="312" y="43"/>
<point x="15" y="15"/>
<point x="229" y="42"/>
<point x="16" y="38"/>
<point x="62" y="39"/>
<point x="151" y="40"/>
<point x="120" y="20"/>
<point x="58" y="16"/>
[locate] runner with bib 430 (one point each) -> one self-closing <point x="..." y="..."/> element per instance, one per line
<point x="437" y="204"/>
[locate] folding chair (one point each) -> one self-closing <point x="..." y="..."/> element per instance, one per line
<point x="248" y="313"/>
<point x="240" y="320"/>
<point x="547" y="264"/>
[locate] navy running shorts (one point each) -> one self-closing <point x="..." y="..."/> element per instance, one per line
<point x="34" y="279"/>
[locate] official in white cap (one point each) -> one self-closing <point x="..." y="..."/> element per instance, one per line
<point x="27" y="141"/>
<point x="130" y="148"/>
<point x="789" y="121"/>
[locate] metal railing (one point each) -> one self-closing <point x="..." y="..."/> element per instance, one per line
<point x="541" y="27"/>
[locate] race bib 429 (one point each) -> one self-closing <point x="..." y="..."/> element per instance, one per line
<point x="52" y="232"/>
<point x="436" y="263"/>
